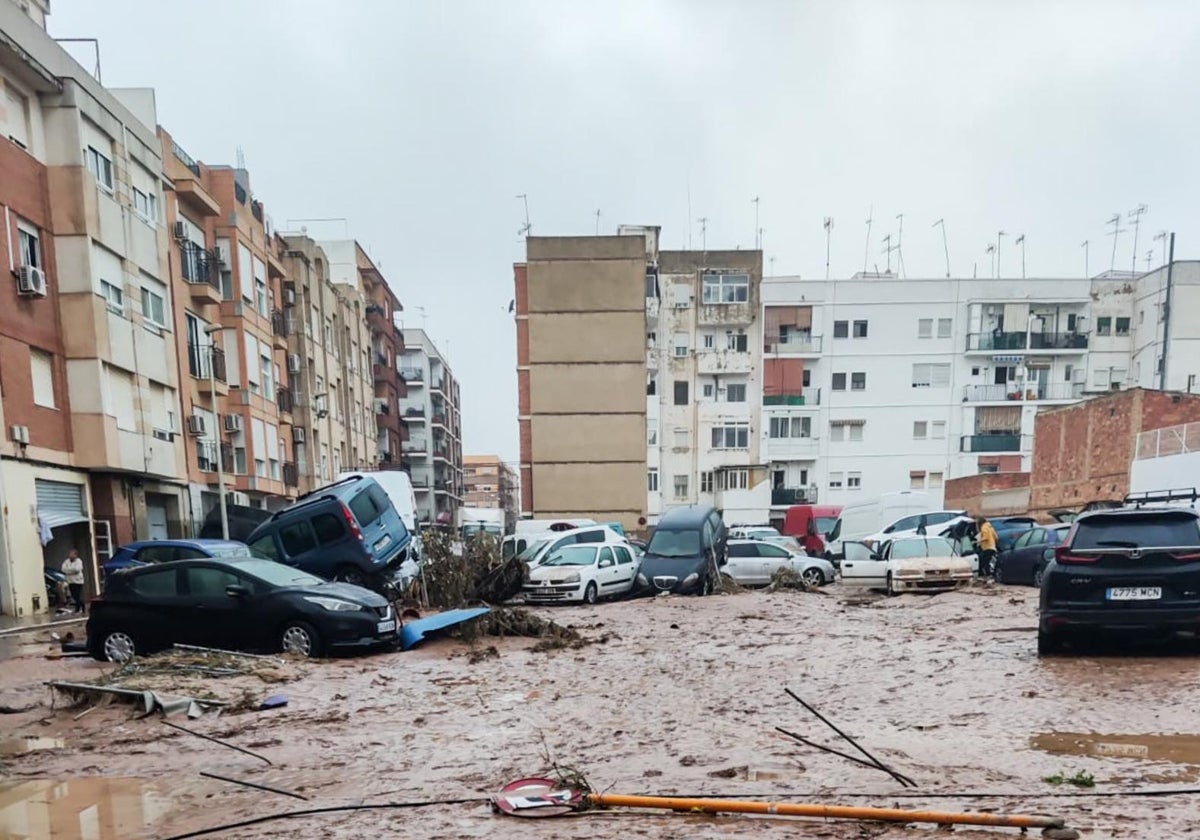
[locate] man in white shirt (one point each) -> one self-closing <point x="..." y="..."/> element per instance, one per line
<point x="72" y="567"/>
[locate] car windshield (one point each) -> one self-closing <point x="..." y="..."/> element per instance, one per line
<point x="1151" y="530"/>
<point x="929" y="547"/>
<point x="572" y="555"/>
<point x="671" y="543"/>
<point x="234" y="551"/>
<point x="825" y="524"/>
<point x="278" y="574"/>
<point x="533" y="548"/>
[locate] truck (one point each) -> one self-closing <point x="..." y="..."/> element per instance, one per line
<point x="473" y="520"/>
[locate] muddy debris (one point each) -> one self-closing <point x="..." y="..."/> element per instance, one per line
<point x="478" y="575"/>
<point x="477" y="655"/>
<point x="786" y="580"/>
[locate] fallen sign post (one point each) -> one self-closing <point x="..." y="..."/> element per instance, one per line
<point x="544" y="797"/>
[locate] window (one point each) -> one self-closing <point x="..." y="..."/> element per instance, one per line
<point x="41" y="366"/>
<point x="145" y="205"/>
<point x="841" y="329"/>
<point x="860" y="329"/>
<point x="706" y="482"/>
<point x="30" y="253"/>
<point x="790" y="427"/>
<point x="652" y="433"/>
<point x="681" y="486"/>
<point x="938" y="430"/>
<point x="268" y="369"/>
<point x="854" y="480"/>
<point x="989" y="468"/>
<point x="1104" y="325"/>
<point x="1122" y="326"/>
<point x="735" y="393"/>
<point x="709" y="340"/>
<point x="736" y="342"/>
<point x="735" y="480"/>
<point x="681" y="438"/>
<point x="328" y="527"/>
<point x="806" y="378"/>
<point x="945" y="327"/>
<point x="366" y="508"/>
<point x="839" y="382"/>
<point x="651" y="339"/>
<point x="925" y="328"/>
<point x="837" y="432"/>
<point x="855" y="431"/>
<point x="156" y="584"/>
<point x="920" y="429"/>
<point x="709" y="390"/>
<point x="101" y="168"/>
<point x="731" y="437"/>
<point x="1142" y="316"/>
<point x="681" y="392"/>
<point x="624" y="558"/>
<point x="681" y="345"/>
<point x="931" y="376"/>
<point x="916" y="480"/>
<point x="858" y="381"/>
<point x="651" y="385"/>
<point x="265" y="546"/>
<point x="114" y="296"/>
<point x="153" y="308"/>
<point x="835" y="480"/>
<point x="207" y="582"/>
<point x="935" y="479"/>
<point x="726" y="288"/>
<point x="18" y="116"/>
<point x="652" y="480"/>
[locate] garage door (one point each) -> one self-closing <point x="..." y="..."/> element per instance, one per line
<point x="156" y="519"/>
<point x="59" y="503"/>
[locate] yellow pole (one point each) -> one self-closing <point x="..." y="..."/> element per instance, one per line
<point x="840" y="812"/>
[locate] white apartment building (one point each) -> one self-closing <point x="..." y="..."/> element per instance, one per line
<point x="433" y="451"/>
<point x="874" y="383"/>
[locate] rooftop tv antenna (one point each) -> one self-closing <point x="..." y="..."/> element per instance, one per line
<point x="1021" y="241"/>
<point x="828" y="231"/>
<point x="421" y="309"/>
<point x="757" y="230"/>
<point x="1149" y="259"/>
<point x="597" y="221"/>
<point x="946" y="248"/>
<point x="991" y="252"/>
<point x="867" y="245"/>
<point x="1115" y="233"/>
<point x="888" y="247"/>
<point x="703" y="220"/>
<point x="1162" y="235"/>
<point x="95" y="44"/>
<point x="761" y="231"/>
<point x="526" y="228"/>
<point x="1084" y="246"/>
<point x="899" y="242"/>
<point x="1136" y="215"/>
<point x="241" y="158"/>
<point x="999" y="235"/>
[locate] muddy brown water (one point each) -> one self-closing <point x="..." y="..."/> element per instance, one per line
<point x="683" y="700"/>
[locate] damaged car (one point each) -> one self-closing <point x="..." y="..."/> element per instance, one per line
<point x="907" y="564"/>
<point x="584" y="573"/>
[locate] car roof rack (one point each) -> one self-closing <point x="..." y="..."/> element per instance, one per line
<point x="327" y="487"/>
<point x="1151" y="497"/>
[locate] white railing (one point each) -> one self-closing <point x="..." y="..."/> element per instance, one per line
<point x="1173" y="440"/>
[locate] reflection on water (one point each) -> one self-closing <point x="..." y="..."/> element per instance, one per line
<point x="97" y="808"/>
<point x="29" y="743"/>
<point x="1178" y="749"/>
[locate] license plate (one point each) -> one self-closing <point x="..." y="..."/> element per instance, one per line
<point x="383" y="542"/>
<point x="1134" y="593"/>
<point x="385" y="627"/>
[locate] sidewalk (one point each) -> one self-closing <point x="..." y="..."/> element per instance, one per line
<point x="12" y="625"/>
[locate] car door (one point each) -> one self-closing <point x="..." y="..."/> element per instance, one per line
<point x="150" y="610"/>
<point x="368" y="511"/>
<point x="862" y="566"/>
<point x="772" y="558"/>
<point x="607" y="571"/>
<point x="626" y="569"/>
<point x="742" y="558"/>
<point x="297" y="539"/>
<point x="213" y="618"/>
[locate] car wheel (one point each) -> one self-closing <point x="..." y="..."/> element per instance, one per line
<point x="813" y="576"/>
<point x="891" y="587"/>
<point x="300" y="638"/>
<point x="1048" y="643"/>
<point x="590" y="593"/>
<point x="115" y="646"/>
<point x="1038" y="574"/>
<point x="350" y="574"/>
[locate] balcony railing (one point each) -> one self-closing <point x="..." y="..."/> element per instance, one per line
<point x="1023" y="392"/>
<point x="186" y="159"/>
<point x="198" y="265"/>
<point x="205" y="360"/>
<point x="291" y="475"/>
<point x="283" y="399"/>
<point x="439" y="417"/>
<point x="810" y="396"/>
<point x="415" y="445"/>
<point x="792" y="343"/>
<point x="1000" y="341"/>
<point x="278" y="322"/>
<point x="412" y="374"/>
<point x="996" y="340"/>
<point x="256" y="209"/>
<point x="998" y="442"/>
<point x="239" y="192"/>
<point x="793" y="495"/>
<point x="1058" y="341"/>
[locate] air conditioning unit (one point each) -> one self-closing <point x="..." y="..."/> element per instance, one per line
<point x="180" y="230"/>
<point x="381" y="406"/>
<point x="195" y="425"/>
<point x="293" y="362"/>
<point x="297" y="434"/>
<point x="31" y="281"/>
<point x="233" y="422"/>
<point x="19" y="434"/>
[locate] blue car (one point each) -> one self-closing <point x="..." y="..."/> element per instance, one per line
<point x="164" y="551"/>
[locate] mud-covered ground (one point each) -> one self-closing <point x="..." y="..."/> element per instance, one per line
<point x="684" y="699"/>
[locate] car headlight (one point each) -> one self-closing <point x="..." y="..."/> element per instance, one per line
<point x="641" y="579"/>
<point x="692" y="578"/>
<point x="572" y="578"/>
<point x="332" y="604"/>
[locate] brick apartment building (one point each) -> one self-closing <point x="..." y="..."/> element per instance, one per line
<point x="488" y="482"/>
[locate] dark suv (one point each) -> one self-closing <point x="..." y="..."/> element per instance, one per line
<point x="347" y="531"/>
<point x="1130" y="570"/>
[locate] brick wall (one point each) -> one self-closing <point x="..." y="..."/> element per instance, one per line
<point x="521" y="309"/>
<point x="992" y="494"/>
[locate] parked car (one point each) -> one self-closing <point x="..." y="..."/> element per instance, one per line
<point x="872" y="516"/>
<point x="755" y="562"/>
<point x="753" y="532"/>
<point x="242" y="603"/>
<point x="1135" y="570"/>
<point x="584" y="572"/>
<point x="810" y="524"/>
<point x="943" y="523"/>
<point x="790" y="543"/>
<point x="1025" y="561"/>
<point x="906" y="564"/>
<point x="544" y="548"/>
<point x="542" y="526"/>
<point x="685" y="553"/>
<point x="165" y="551"/>
<point x="1008" y="528"/>
<point x="347" y="531"/>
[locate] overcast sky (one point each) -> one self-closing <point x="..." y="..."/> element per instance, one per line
<point x="421" y="122"/>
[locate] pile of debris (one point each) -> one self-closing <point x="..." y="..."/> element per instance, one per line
<point x="476" y="575"/>
<point x="788" y="580"/>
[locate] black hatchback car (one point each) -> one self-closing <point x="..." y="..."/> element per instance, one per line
<point x="1133" y="570"/>
<point x="234" y="604"/>
<point x="685" y="552"/>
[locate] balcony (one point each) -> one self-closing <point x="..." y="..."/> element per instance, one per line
<point x="651" y="310"/>
<point x="284" y="400"/>
<point x="791" y="448"/>
<point x="727" y="314"/>
<point x="442" y="453"/>
<point x="810" y="397"/>
<point x="291" y="475"/>
<point x="1000" y="342"/>
<point x="199" y="268"/>
<point x="783" y="496"/>
<point x="279" y="329"/>
<point x="438" y="384"/>
<point x="711" y="362"/>
<point x="793" y="344"/>
<point x="439" y="419"/>
<point x="652" y="358"/>
<point x="1070" y="341"/>
<point x="206" y="364"/>
<point x="1024" y="392"/>
<point x="995" y="442"/>
<point x="412" y="376"/>
<point x="413" y="415"/>
<point x="415" y="446"/>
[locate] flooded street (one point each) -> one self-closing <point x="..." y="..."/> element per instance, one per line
<point x="683" y="699"/>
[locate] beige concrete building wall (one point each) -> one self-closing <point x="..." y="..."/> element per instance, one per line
<point x="587" y="337"/>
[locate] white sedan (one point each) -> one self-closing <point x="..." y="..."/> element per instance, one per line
<point x="906" y="564"/>
<point x="583" y="572"/>
<point x="754" y="563"/>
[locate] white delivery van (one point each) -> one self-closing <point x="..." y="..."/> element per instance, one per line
<point x="541" y="526"/>
<point x="865" y="518"/>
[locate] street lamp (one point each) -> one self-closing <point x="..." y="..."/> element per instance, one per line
<point x="210" y="331"/>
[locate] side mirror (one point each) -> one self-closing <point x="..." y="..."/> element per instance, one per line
<point x="237" y="591"/>
<point x="604" y="564"/>
<point x="875" y="556"/>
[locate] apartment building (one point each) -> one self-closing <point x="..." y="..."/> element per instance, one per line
<point x="431" y="413"/>
<point x="387" y="349"/>
<point x="488" y="482"/>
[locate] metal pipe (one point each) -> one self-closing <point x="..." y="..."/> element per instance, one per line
<point x="1162" y="371"/>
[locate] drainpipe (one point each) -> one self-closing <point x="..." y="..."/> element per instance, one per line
<point x="1162" y="371"/>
